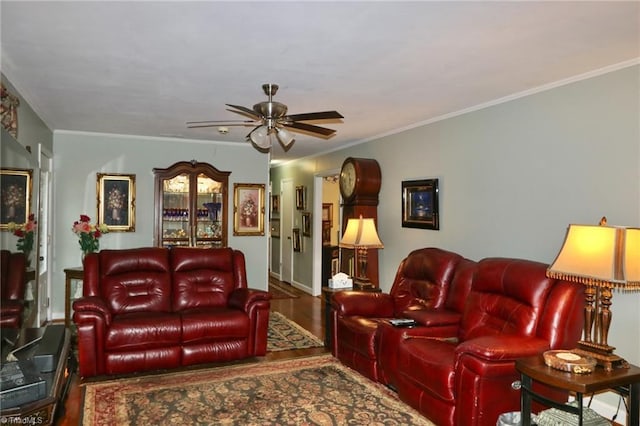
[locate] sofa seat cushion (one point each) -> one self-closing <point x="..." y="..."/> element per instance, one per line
<point x="359" y="333"/>
<point x="143" y="330"/>
<point x="200" y="325"/>
<point x="428" y="363"/>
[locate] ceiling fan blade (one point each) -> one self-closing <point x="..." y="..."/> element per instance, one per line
<point x="221" y="124"/>
<point x="220" y="121"/>
<point x="244" y="111"/>
<point x="324" y="115"/>
<point x="311" y="128"/>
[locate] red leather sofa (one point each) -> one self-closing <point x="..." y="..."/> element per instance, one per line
<point x="13" y="269"/>
<point x="464" y="374"/>
<point x="158" y="308"/>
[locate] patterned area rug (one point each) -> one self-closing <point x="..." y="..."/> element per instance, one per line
<point x="303" y="391"/>
<point x="281" y="291"/>
<point x="284" y="335"/>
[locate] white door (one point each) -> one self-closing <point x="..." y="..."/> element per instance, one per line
<point x="286" y="226"/>
<point x="44" y="237"/>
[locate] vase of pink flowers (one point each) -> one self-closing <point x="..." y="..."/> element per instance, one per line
<point x="88" y="234"/>
<point x="26" y="235"/>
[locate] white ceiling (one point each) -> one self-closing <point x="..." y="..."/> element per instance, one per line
<point x="145" y="68"/>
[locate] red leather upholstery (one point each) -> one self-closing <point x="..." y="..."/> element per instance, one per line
<point x="512" y="311"/>
<point x="427" y="288"/>
<point x="154" y="308"/>
<point x="13" y="269"/>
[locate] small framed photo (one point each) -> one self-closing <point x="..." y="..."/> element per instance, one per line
<point x="275" y="204"/>
<point x="274" y="226"/>
<point x="420" y="204"/>
<point x="15" y="196"/>
<point x="117" y="201"/>
<point x="248" y="209"/>
<point x="300" y="197"/>
<point x="327" y="213"/>
<point x="306" y="224"/>
<point x="297" y="241"/>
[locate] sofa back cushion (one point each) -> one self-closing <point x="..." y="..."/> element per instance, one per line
<point x="135" y="280"/>
<point x="460" y="286"/>
<point x="204" y="277"/>
<point x="423" y="278"/>
<point x="507" y="296"/>
<point x="13" y="270"/>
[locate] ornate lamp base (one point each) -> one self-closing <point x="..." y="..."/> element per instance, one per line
<point x="603" y="354"/>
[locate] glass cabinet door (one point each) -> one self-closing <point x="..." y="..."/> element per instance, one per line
<point x="191" y="205"/>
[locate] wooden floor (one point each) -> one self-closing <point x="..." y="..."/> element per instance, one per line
<point x="306" y="310"/>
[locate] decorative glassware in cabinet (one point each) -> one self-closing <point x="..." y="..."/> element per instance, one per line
<point x="190" y="205"/>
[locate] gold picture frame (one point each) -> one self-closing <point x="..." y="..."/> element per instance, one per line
<point x="297" y="241"/>
<point x="306" y="224"/>
<point x="15" y="196"/>
<point x="116" y="201"/>
<point x="248" y="209"/>
<point x="300" y="197"/>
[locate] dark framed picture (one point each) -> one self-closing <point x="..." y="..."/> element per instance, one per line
<point x="300" y="197"/>
<point x="327" y="213"/>
<point x="420" y="204"/>
<point x="248" y="209"/>
<point x="297" y="241"/>
<point x="306" y="224"/>
<point x="275" y="204"/>
<point x="15" y="196"/>
<point x="117" y="201"/>
<point x="326" y="232"/>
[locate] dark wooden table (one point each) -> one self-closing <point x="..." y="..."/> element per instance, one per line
<point x="625" y="381"/>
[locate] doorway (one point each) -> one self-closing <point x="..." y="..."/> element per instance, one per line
<point x="326" y="228"/>
<point x="286" y="233"/>
<point x="43" y="252"/>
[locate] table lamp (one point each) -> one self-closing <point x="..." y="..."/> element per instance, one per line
<point x="361" y="235"/>
<point x="602" y="258"/>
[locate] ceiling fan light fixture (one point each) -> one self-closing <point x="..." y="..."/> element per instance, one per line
<point x="260" y="137"/>
<point x="285" y="137"/>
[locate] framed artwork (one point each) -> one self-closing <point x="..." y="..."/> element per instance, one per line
<point x="248" y="209"/>
<point x="326" y="232"/>
<point x="327" y="213"/>
<point x="274" y="226"/>
<point x="275" y="204"/>
<point x="15" y="196"/>
<point x="420" y="204"/>
<point x="306" y="224"/>
<point x="297" y="241"/>
<point x="300" y="195"/>
<point x="116" y="195"/>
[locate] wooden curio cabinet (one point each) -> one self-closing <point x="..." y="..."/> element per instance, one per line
<point x="191" y="205"/>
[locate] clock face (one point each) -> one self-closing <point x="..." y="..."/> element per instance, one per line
<point x="348" y="179"/>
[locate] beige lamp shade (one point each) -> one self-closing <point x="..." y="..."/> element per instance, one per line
<point x="361" y="233"/>
<point x="599" y="255"/>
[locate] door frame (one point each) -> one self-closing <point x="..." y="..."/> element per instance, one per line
<point x="45" y="248"/>
<point x="318" y="182"/>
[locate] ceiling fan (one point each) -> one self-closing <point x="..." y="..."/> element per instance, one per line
<point x="270" y="118"/>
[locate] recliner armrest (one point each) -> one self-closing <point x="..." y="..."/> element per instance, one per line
<point x="92" y="304"/>
<point x="366" y="304"/>
<point x="243" y="298"/>
<point x="502" y="347"/>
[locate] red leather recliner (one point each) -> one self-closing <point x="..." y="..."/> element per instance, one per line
<point x="13" y="270"/>
<point x="513" y="311"/>
<point x="430" y="286"/>
<point x="156" y="308"/>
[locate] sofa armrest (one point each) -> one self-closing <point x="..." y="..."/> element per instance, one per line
<point x="244" y="298"/>
<point x="92" y="305"/>
<point x="362" y="303"/>
<point x="12" y="307"/>
<point x="502" y="347"/>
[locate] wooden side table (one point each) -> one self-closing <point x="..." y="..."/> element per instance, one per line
<point x="70" y="274"/>
<point x="624" y="381"/>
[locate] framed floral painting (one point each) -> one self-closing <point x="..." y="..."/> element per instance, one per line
<point x="15" y="196"/>
<point x="248" y="209"/>
<point x="117" y="201"/>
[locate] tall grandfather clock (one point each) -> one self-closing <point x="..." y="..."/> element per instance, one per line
<point x="360" y="180"/>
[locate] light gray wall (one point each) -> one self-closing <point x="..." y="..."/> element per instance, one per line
<point x="512" y="177"/>
<point x="78" y="156"/>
